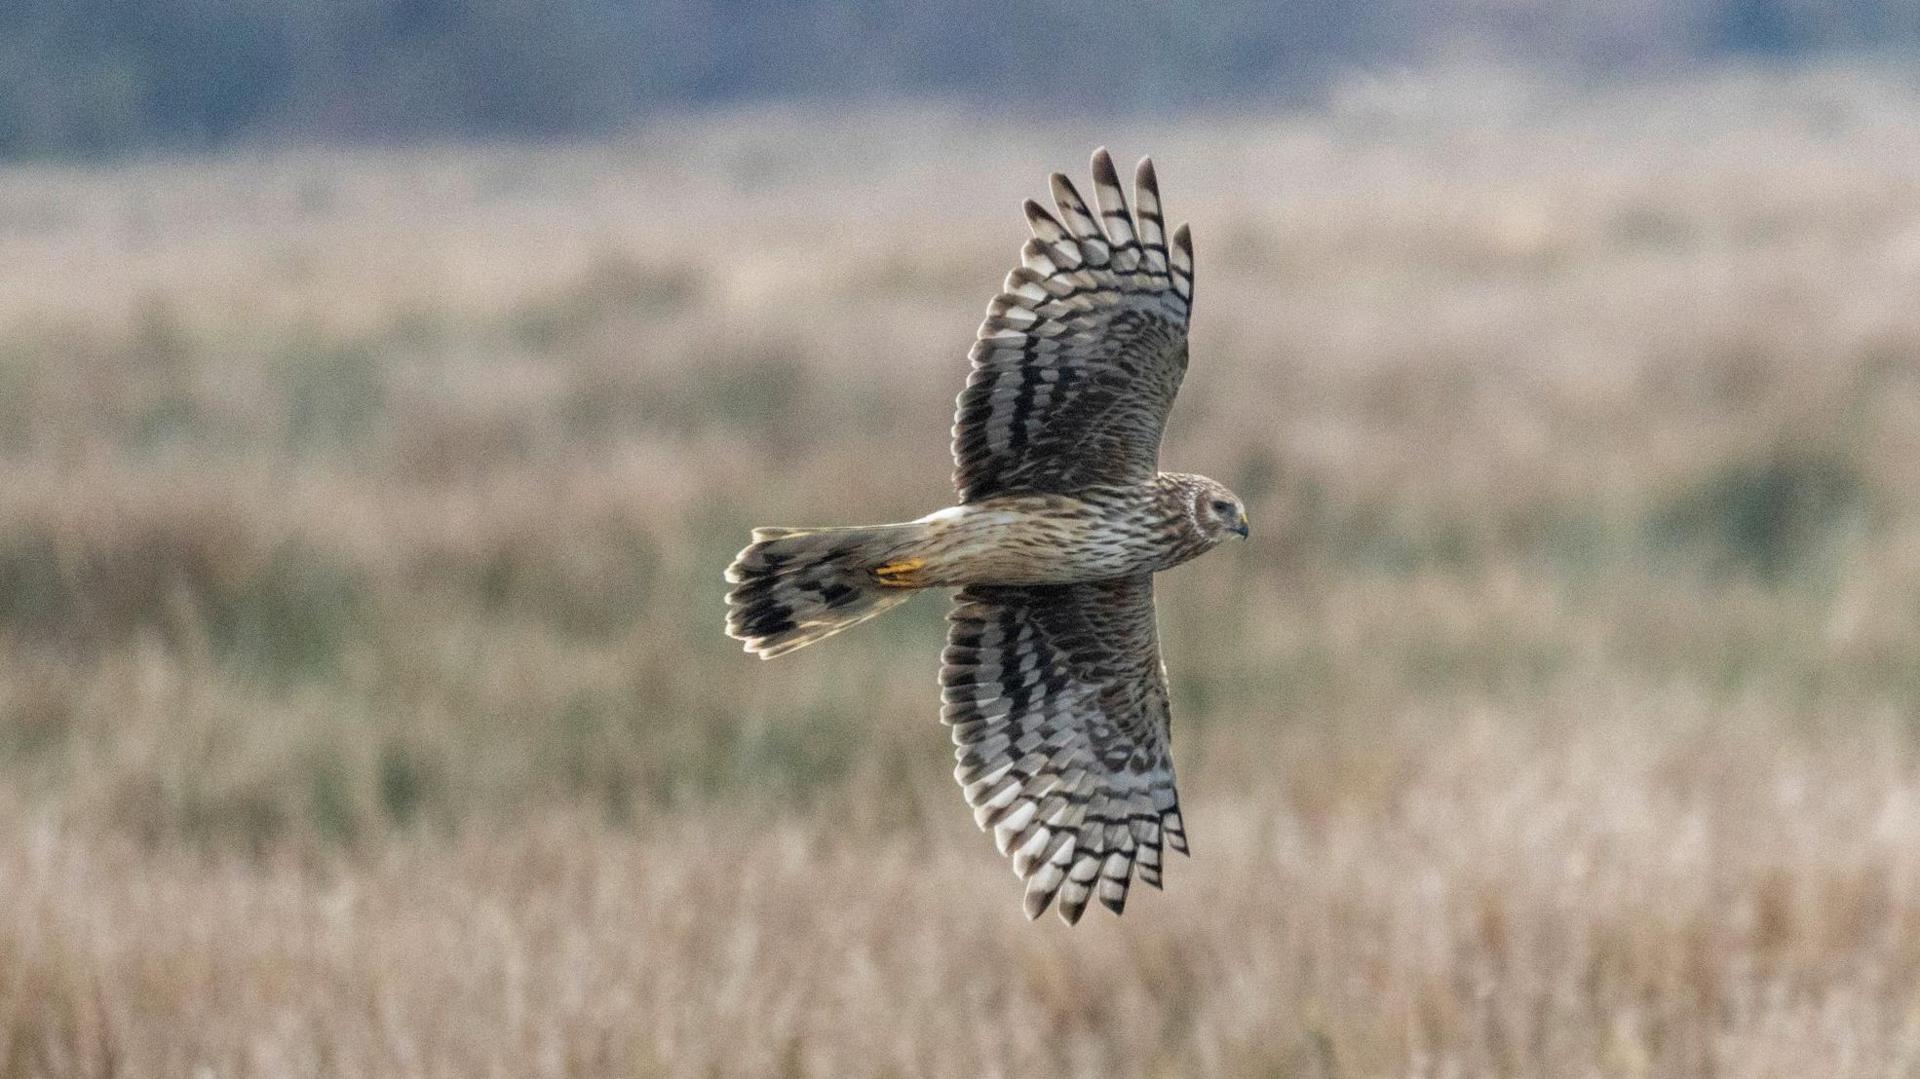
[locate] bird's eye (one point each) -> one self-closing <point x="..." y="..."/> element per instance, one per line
<point x="1222" y="508"/>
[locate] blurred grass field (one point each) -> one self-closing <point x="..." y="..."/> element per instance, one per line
<point x="364" y="706"/>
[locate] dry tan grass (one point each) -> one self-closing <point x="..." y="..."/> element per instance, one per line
<point x="364" y="709"/>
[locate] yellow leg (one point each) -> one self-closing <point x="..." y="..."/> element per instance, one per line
<point x="898" y="574"/>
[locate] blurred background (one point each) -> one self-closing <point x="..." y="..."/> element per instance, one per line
<point x="384" y="385"/>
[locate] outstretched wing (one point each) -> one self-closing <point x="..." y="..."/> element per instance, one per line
<point x="1079" y="359"/>
<point x="1058" y="705"/>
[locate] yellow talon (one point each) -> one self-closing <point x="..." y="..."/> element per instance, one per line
<point x="896" y="572"/>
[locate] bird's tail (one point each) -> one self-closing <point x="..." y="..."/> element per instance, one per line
<point x="794" y="586"/>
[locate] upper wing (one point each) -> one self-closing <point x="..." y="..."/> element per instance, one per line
<point x="1079" y="359"/>
<point x="1058" y="705"/>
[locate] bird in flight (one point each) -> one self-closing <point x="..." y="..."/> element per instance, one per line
<point x="1051" y="680"/>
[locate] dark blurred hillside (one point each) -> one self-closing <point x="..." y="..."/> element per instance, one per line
<point x="88" y="77"/>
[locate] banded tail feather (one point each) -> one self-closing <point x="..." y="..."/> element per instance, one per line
<point x="793" y="586"/>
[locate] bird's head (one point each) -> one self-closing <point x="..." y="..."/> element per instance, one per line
<point x="1218" y="512"/>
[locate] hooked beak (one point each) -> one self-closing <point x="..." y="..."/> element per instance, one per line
<point x="1240" y="526"/>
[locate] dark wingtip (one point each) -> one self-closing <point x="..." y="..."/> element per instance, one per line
<point x="1144" y="176"/>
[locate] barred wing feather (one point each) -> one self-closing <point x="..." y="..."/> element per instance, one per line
<point x="1078" y="360"/>
<point x="1058" y="705"/>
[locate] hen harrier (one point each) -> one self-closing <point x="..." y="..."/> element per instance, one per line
<point x="1051" y="679"/>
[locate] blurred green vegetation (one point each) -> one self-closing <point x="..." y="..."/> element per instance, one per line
<point x="92" y="77"/>
<point x="570" y="649"/>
